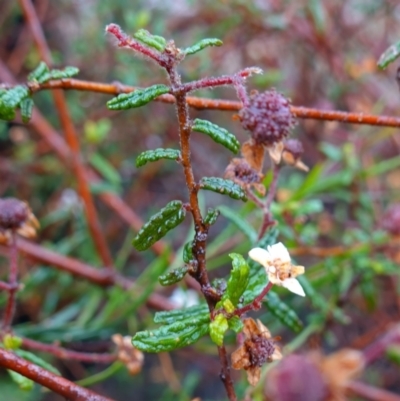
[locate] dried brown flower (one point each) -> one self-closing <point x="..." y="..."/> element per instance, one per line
<point x="130" y="356"/>
<point x="243" y="174"/>
<point x="16" y="215"/>
<point x="257" y="349"/>
<point x="292" y="152"/>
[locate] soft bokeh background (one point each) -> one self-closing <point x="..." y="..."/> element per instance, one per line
<point x="320" y="54"/>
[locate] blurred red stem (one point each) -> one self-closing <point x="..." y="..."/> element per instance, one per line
<point x="10" y="306"/>
<point x="63" y="353"/>
<point x="371" y="393"/>
<point x="256" y="304"/>
<point x="47" y="379"/>
<point x="71" y="138"/>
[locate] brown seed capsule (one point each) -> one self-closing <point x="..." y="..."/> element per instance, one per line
<point x="16" y="216"/>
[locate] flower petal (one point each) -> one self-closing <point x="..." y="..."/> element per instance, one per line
<point x="279" y="251"/>
<point x="261" y="256"/>
<point x="294" y="286"/>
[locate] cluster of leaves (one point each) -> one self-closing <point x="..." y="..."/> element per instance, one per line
<point x="19" y="97"/>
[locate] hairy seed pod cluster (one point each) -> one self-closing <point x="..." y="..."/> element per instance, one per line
<point x="267" y="117"/>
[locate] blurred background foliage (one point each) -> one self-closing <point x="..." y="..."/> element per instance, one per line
<point x="321" y="54"/>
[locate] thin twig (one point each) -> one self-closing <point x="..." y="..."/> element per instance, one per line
<point x="47" y="379"/>
<point x="71" y="138"/>
<point x="13" y="283"/>
<point x="225" y="105"/>
<point x="63" y="353"/>
<point x="371" y="393"/>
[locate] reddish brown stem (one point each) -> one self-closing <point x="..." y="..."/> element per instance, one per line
<point x="10" y="306"/>
<point x="63" y="353"/>
<point x="58" y="384"/>
<point x="102" y="277"/>
<point x="227" y="105"/>
<point x="225" y="374"/>
<point x="256" y="304"/>
<point x="71" y="138"/>
<point x="371" y="393"/>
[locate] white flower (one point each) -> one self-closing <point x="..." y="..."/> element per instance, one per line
<point x="278" y="266"/>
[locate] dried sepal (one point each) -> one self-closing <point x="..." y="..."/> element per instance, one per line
<point x="130" y="356"/>
<point x="292" y="152"/>
<point x="253" y="154"/>
<point x="257" y="349"/>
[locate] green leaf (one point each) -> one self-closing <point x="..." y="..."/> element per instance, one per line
<point x="173" y="336"/>
<point x="238" y="279"/>
<point x="38" y="72"/>
<point x="26" y="109"/>
<point x="29" y="356"/>
<point x="224" y="187"/>
<point x="137" y="98"/>
<point x="283" y="312"/>
<point x="67" y="72"/>
<point x="235" y="324"/>
<point x="318" y="301"/>
<point x="13" y="97"/>
<point x="211" y="217"/>
<point x="217" y="133"/>
<point x="188" y="252"/>
<point x="157" y="42"/>
<point x="173" y="276"/>
<point x="393" y="353"/>
<point x="177" y="315"/>
<point x="318" y="14"/>
<point x="218" y="327"/>
<point x="202" y="44"/>
<point x="157" y="154"/>
<point x="106" y="169"/>
<point x="165" y="220"/>
<point x="23" y="382"/>
<point x="243" y="225"/>
<point x="258" y="278"/>
<point x="389" y="55"/>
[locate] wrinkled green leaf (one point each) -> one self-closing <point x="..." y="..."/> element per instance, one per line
<point x="389" y="55"/>
<point x="177" y="315"/>
<point x="173" y="276"/>
<point x="38" y="72"/>
<point x="157" y="42"/>
<point x="211" y="217"/>
<point x="137" y="98"/>
<point x="13" y="97"/>
<point x="26" y="110"/>
<point x="224" y="187"/>
<point x="23" y="382"/>
<point x="238" y="279"/>
<point x="202" y="44"/>
<point x="173" y="336"/>
<point x="67" y="72"/>
<point x="235" y="324"/>
<point x="283" y="312"/>
<point x="165" y="220"/>
<point x="258" y="279"/>
<point x="217" y="133"/>
<point x="157" y="154"/>
<point x="188" y="252"/>
<point x="218" y="327"/>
